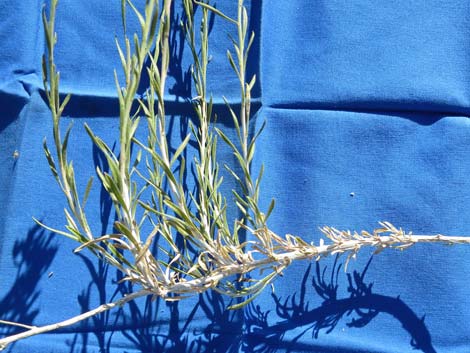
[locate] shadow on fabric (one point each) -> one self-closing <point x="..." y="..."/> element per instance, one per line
<point x="362" y="305"/>
<point x="150" y="325"/>
<point x="32" y="257"/>
<point x="219" y="333"/>
<point x="11" y="107"/>
<point x="156" y="326"/>
<point x="422" y="115"/>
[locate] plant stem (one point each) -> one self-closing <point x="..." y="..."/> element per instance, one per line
<point x="4" y="342"/>
<point x="279" y="260"/>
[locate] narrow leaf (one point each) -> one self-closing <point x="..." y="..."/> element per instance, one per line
<point x="87" y="191"/>
<point x="180" y="149"/>
<point x="214" y="10"/>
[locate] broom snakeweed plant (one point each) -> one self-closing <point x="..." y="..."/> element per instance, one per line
<point x="145" y="180"/>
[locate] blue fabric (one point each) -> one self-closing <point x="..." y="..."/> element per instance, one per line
<point x="366" y="105"/>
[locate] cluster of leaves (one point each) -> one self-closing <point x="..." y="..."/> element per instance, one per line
<point x="148" y="190"/>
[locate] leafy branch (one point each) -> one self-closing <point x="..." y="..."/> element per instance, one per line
<point x="146" y="178"/>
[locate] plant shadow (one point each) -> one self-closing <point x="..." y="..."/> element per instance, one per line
<point x="155" y="325"/>
<point x="360" y="306"/>
<point x="20" y="303"/>
<point x="182" y="331"/>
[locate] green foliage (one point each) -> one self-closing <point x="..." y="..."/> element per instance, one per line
<point x="213" y="251"/>
<point x="148" y="191"/>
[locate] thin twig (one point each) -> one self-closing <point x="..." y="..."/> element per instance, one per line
<point x="4" y="342"/>
<point x="11" y="323"/>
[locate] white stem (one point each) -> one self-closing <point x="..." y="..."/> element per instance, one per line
<point x="4" y="342"/>
<point x="201" y="284"/>
<point x="10" y="323"/>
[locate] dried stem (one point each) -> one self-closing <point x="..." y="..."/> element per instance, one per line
<point x="4" y="342"/>
<point x="280" y="260"/>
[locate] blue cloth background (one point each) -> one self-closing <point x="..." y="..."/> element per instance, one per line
<point x="366" y="106"/>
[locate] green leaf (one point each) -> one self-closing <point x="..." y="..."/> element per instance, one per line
<point x="153" y="22"/>
<point x="124" y="230"/>
<point x="137" y="160"/>
<point x="65" y="142"/>
<point x="232" y="63"/>
<point x="252" y="83"/>
<point x="148" y="208"/>
<point x="182" y="170"/>
<point x="259" y="132"/>
<point x="226" y="139"/>
<point x="244" y="21"/>
<point x="180" y="149"/>
<point x="123" y="15"/>
<point x="237" y="178"/>
<point x="256" y="290"/>
<point x="214" y="10"/>
<point x="64" y="104"/>
<point x="121" y="56"/>
<point x="87" y="191"/>
<point x="94" y="241"/>
<point x="234" y="116"/>
<point x="138" y="14"/>
<point x="50" y="160"/>
<point x="270" y="208"/>
<point x="108" y="153"/>
<point x="146" y="246"/>
<point x="53" y="230"/>
<point x="134" y="126"/>
<point x="250" y="42"/>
